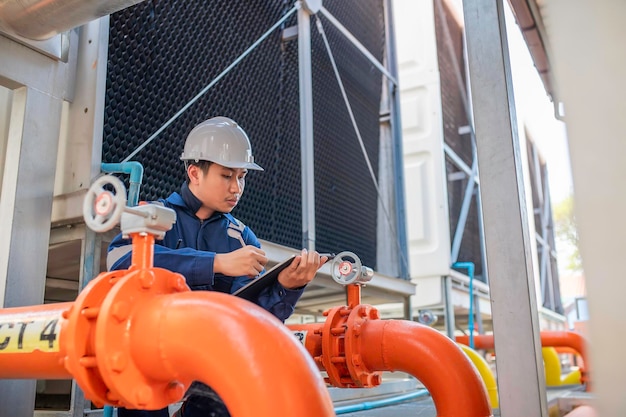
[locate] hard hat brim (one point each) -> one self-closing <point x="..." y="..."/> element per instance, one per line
<point x="242" y="165"/>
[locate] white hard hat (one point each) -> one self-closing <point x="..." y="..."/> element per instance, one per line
<point x="222" y="141"/>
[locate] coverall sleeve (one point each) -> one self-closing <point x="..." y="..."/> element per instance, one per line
<point x="195" y="265"/>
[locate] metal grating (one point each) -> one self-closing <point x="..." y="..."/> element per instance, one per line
<point x="161" y="54"/>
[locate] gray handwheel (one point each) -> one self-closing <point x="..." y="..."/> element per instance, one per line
<point x="102" y="209"/>
<point x="346" y="268"/>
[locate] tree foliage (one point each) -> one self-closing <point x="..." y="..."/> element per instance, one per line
<point x="566" y="234"/>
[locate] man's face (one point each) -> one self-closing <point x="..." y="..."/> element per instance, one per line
<point x="220" y="188"/>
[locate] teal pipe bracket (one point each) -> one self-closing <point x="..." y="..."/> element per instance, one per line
<point x="470" y="272"/>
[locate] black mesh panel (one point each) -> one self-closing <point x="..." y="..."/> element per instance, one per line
<point x="163" y="53"/>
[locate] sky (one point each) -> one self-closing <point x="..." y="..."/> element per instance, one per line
<point x="535" y="109"/>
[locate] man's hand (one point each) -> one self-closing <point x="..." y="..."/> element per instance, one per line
<point x="302" y="269"/>
<point x="248" y="261"/>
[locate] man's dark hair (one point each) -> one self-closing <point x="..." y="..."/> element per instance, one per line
<point x="203" y="165"/>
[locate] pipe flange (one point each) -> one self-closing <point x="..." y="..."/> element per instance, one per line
<point x="333" y="357"/>
<point x="127" y="383"/>
<point x="78" y="336"/>
<point x="362" y="377"/>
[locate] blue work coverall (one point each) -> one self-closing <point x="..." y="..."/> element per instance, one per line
<point x="189" y="248"/>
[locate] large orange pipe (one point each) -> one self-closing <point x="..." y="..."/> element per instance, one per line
<point x="396" y="345"/>
<point x="548" y="339"/>
<point x="29" y="342"/>
<point x="244" y="353"/>
<point x="170" y="340"/>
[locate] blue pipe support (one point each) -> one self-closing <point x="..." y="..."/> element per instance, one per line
<point x="470" y="272"/>
<point x="368" y="405"/>
<point x="135" y="169"/>
<point x="107" y="411"/>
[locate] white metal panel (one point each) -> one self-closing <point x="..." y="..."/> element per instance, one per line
<point x="80" y="143"/>
<point x="425" y="185"/>
<point x="589" y="60"/>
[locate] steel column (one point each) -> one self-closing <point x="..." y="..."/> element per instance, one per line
<point x="396" y="132"/>
<point x="25" y="211"/>
<point x="521" y="381"/>
<point x="40" y="80"/>
<point x="446" y="282"/>
<point x="306" y="128"/>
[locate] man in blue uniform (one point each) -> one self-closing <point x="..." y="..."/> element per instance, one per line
<point x="211" y="248"/>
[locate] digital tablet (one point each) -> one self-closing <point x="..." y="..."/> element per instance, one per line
<point x="252" y="290"/>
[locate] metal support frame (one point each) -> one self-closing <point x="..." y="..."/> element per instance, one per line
<point x="446" y="282"/>
<point x="521" y="381"/>
<point x="542" y="207"/>
<point x="471" y="187"/>
<point x="40" y="84"/>
<point x="393" y="91"/>
<point x="306" y="128"/>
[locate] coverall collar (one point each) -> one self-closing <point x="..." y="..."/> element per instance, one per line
<point x="191" y="201"/>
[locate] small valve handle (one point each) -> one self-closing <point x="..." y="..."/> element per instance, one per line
<point x="346" y="268"/>
<point x="102" y="209"/>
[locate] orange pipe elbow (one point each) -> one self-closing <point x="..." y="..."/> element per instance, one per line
<point x="396" y="345"/>
<point x="548" y="339"/>
<point x="237" y="348"/>
<point x="449" y="376"/>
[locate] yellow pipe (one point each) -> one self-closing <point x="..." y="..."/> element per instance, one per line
<point x="485" y="373"/>
<point x="553" y="369"/>
<point x="552" y="366"/>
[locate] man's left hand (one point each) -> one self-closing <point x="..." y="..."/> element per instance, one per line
<point x="302" y="270"/>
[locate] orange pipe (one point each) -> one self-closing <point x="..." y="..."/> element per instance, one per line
<point x="29" y="342"/>
<point x="239" y="349"/>
<point x="569" y="351"/>
<point x="548" y="339"/>
<point x="142" y="256"/>
<point x="173" y="340"/>
<point x="397" y="345"/>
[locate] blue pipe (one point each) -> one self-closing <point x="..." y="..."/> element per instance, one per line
<point x="135" y="169"/>
<point x="470" y="272"/>
<point x="107" y="411"/>
<point x="368" y="405"/>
